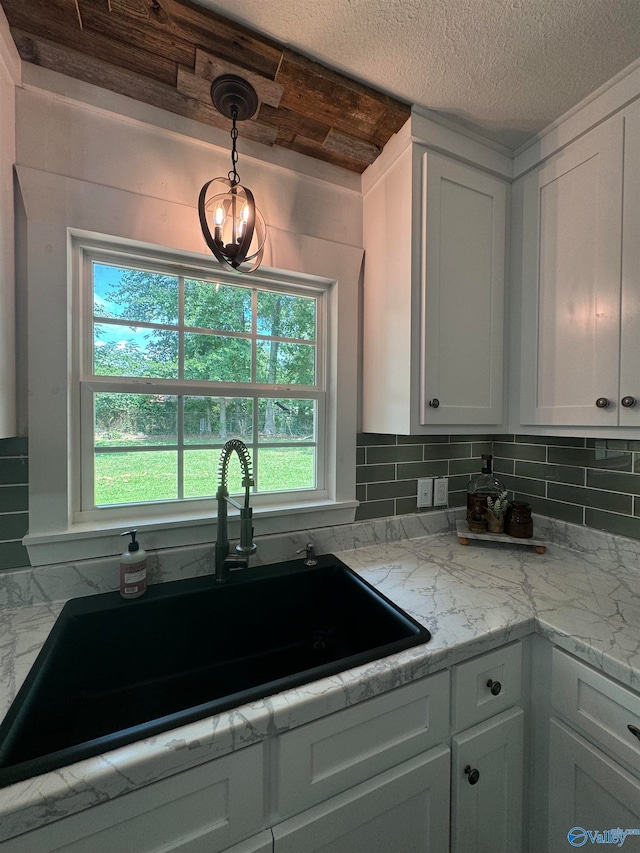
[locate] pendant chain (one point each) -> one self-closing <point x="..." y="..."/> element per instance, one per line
<point x="234" y="177"/>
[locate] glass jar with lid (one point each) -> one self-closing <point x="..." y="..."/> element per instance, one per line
<point x="485" y="485"/>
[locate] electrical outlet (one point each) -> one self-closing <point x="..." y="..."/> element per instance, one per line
<point x="441" y="491"/>
<point x="425" y="492"/>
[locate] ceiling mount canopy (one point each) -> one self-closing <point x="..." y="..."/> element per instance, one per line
<point x="231" y="93"/>
<point x="239" y="230"/>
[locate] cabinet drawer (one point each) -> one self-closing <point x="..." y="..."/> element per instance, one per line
<point x="597" y="706"/>
<point x="323" y="758"/>
<point x="473" y="700"/>
<point x="203" y="810"/>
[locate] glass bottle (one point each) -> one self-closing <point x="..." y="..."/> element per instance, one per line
<point x="480" y="488"/>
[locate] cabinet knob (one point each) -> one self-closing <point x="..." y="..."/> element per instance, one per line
<point x="628" y="402"/>
<point x="473" y="775"/>
<point x="434" y="403"/>
<point x="634" y="730"/>
<point x="602" y="402"/>
<point x="494" y="686"/>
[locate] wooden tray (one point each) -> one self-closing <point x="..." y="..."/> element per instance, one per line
<point x="465" y="535"/>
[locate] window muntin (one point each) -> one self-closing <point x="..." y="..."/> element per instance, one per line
<point x="175" y="363"/>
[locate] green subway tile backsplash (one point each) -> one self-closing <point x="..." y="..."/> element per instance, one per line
<point x="14" y="498"/>
<point x="611" y="501"/>
<point x="14" y="502"/>
<point x="397" y="453"/>
<point x="533" y="452"/>
<point x="555" y="473"/>
<point x="13" y="555"/>
<point x="583" y="481"/>
<point x="620" y="525"/>
<point x="411" y="470"/>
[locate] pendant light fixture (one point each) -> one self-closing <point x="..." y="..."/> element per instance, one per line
<point x="239" y="230"/>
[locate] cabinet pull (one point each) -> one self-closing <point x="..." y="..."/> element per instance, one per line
<point x="634" y="730"/>
<point x="494" y="686"/>
<point x="628" y="402"/>
<point x="602" y="402"/>
<point x="473" y="775"/>
<point x="434" y="403"/>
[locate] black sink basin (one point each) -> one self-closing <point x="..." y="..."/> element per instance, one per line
<point x="112" y="671"/>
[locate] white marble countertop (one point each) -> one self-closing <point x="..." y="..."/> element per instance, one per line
<point x="585" y="598"/>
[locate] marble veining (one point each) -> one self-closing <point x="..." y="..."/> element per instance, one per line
<point x="583" y="594"/>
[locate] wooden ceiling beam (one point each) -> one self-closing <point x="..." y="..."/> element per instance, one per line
<point x="91" y="70"/>
<point x="167" y="52"/>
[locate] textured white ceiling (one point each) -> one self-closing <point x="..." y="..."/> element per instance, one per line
<point x="504" y="68"/>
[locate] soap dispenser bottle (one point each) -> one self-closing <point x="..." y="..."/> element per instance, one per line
<point x="133" y="568"/>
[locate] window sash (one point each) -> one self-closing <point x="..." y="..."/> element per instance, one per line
<point x="89" y="383"/>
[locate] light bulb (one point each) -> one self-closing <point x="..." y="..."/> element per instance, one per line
<point x="219" y="222"/>
<point x="244" y="218"/>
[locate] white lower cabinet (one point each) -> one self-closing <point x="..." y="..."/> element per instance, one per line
<point x="594" y="756"/>
<point x="375" y="776"/>
<point x="589" y="793"/>
<point x="205" y="809"/>
<point x="405" y="809"/>
<point x="486" y="786"/>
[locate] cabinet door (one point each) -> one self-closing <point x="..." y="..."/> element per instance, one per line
<point x="588" y="792"/>
<point x="404" y="809"/>
<point x="571" y="255"/>
<point x="630" y="313"/>
<point x="463" y="250"/>
<point x="486" y="810"/>
<point x="205" y="809"/>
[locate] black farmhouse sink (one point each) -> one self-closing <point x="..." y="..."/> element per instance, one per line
<point x="113" y="671"/>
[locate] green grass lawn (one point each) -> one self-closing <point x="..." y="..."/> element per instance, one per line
<point x="153" y="476"/>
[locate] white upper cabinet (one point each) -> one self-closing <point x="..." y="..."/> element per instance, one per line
<point x="630" y="307"/>
<point x="580" y="321"/>
<point x="462" y="289"/>
<point x="434" y="236"/>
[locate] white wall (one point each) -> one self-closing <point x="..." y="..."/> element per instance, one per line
<point x="9" y="77"/>
<point x="89" y="160"/>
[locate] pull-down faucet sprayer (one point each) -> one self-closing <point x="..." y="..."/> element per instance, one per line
<point x="222" y="561"/>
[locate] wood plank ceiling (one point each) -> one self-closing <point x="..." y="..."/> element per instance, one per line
<point x="167" y="52"/>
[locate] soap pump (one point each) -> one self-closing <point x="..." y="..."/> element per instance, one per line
<point x="133" y="568"/>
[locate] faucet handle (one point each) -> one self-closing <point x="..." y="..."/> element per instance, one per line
<point x="310" y="551"/>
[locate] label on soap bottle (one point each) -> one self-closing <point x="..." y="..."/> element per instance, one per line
<point x="133" y="578"/>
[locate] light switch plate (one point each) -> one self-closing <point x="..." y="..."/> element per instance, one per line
<point x="425" y="492"/>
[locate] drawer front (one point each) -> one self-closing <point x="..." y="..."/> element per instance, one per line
<point x="597" y="706"/>
<point x="328" y="756"/>
<point x="404" y="809"/>
<point x="203" y="810"/>
<point x="473" y="699"/>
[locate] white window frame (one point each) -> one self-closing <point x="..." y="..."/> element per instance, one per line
<point x="55" y="210"/>
<point x="84" y="253"/>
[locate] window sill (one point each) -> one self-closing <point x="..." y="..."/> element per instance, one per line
<point x="90" y="540"/>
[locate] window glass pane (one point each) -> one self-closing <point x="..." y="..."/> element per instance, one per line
<point x="123" y="420"/>
<point x="134" y="294"/>
<point x="210" y="305"/>
<point x="282" y="316"/>
<point x="125" y="351"/>
<point x="217" y="358"/>
<point x="135" y="476"/>
<point x="283" y="468"/>
<point x="201" y="474"/>
<point x="285" y="364"/>
<point x="286" y="420"/>
<point x="212" y="420"/>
